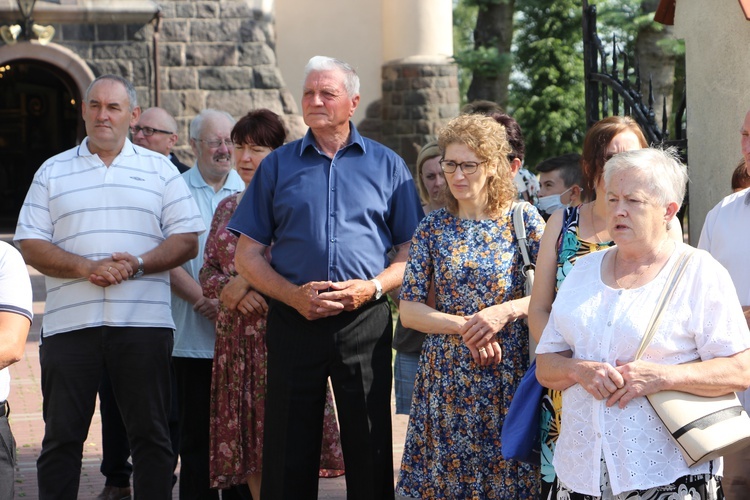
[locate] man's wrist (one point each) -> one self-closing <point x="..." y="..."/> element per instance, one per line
<point x="378" y="288"/>
<point x="139" y="270"/>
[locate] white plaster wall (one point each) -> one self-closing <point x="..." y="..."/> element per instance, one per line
<point x="717" y="40"/>
<point x="350" y="30"/>
<point x="417" y="28"/>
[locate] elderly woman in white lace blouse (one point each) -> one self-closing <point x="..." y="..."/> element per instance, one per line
<point x="610" y="445"/>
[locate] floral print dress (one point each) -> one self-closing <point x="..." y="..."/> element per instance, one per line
<point x="452" y="448"/>
<point x="238" y="383"/>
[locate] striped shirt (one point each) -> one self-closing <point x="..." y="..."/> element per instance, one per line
<point x="15" y="296"/>
<point x="84" y="207"/>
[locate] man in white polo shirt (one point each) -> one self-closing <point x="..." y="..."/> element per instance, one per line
<point x="105" y="222"/>
<point x="15" y="320"/>
<point x="212" y="179"/>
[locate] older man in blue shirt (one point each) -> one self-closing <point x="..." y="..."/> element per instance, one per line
<point x="333" y="204"/>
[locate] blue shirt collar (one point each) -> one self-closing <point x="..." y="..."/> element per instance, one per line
<point x="354" y="138"/>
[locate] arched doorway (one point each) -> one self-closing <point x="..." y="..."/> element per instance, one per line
<point x="39" y="117"/>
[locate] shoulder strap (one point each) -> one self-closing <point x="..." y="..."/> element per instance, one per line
<point x="520" y="228"/>
<point x="666" y="294"/>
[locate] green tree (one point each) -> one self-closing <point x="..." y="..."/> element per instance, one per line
<point x="485" y="53"/>
<point x="547" y="92"/>
<point x="464" y="21"/>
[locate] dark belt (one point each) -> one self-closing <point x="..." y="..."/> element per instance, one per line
<point x="4" y="409"/>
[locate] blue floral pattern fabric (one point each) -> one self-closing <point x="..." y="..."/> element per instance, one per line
<point x="569" y="248"/>
<point x="452" y="448"/>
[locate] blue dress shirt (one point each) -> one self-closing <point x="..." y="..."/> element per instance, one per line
<point x="330" y="219"/>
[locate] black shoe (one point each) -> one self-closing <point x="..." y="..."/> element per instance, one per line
<point x="114" y="493"/>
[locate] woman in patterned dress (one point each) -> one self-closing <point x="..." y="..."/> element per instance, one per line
<point x="476" y="350"/>
<point x="238" y="383"/>
<point x="571" y="233"/>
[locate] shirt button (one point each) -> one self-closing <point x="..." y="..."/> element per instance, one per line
<point x="333" y="240"/>
<point x="609" y="323"/>
<point x="619" y="293"/>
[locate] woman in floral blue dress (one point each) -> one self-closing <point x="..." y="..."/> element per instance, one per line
<point x="476" y="350"/>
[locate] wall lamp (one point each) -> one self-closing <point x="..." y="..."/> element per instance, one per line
<point x="26" y="28"/>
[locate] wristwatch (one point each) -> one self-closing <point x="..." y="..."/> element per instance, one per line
<point x="139" y="272"/>
<point x="378" y="288"/>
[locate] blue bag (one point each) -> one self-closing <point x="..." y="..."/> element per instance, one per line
<point x="521" y="434"/>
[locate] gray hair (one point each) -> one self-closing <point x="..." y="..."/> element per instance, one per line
<point x="665" y="177"/>
<point x="129" y="88"/>
<point x="324" y="63"/>
<point x="196" y="126"/>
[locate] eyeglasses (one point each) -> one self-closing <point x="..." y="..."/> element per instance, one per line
<point x="216" y="143"/>
<point x="148" y="131"/>
<point x="467" y="167"/>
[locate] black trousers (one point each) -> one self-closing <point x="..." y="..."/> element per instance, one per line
<point x="7" y="460"/>
<point x="354" y="349"/>
<point x="194" y="386"/>
<point x="115" y="466"/>
<point x="137" y="362"/>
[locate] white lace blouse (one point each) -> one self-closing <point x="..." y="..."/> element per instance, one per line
<point x="598" y="323"/>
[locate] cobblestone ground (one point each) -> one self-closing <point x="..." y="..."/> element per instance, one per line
<point x="28" y="427"/>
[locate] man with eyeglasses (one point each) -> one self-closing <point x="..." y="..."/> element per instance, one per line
<point x="154" y="131"/>
<point x="157" y="130"/>
<point x="212" y="179"/>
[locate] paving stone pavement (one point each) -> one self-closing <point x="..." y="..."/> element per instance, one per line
<point x="28" y="427"/>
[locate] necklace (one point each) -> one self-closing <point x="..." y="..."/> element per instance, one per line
<point x="637" y="276"/>
<point x="593" y="226"/>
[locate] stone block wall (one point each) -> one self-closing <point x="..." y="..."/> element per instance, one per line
<point x="418" y="99"/>
<point x="217" y="54"/>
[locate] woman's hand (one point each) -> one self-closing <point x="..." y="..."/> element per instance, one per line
<point x="490" y="354"/>
<point x="233" y="292"/>
<point x="253" y="302"/>
<point x="601" y="380"/>
<point x="640" y="378"/>
<point x="480" y="328"/>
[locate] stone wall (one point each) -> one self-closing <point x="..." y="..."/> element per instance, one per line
<point x="217" y="54"/>
<point x="418" y="99"/>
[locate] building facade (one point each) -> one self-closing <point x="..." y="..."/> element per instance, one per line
<point x="186" y="55"/>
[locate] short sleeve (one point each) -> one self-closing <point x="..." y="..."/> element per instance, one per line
<point x="15" y="284"/>
<point x="406" y="208"/>
<point x="420" y="265"/>
<point x="254" y="215"/>
<point x="34" y="220"/>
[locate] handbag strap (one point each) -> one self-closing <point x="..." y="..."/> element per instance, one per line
<point x="523" y="242"/>
<point x="666" y="294"/>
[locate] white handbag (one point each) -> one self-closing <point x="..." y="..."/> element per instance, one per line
<point x="703" y="427"/>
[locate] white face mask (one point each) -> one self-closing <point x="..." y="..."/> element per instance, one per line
<point x="552" y="202"/>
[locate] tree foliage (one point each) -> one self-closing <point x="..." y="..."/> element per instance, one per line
<point x="547" y="92"/>
<point x="483" y="51"/>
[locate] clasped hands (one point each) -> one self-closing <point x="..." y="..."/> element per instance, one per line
<point x="479" y="333"/>
<point x="237" y="295"/>
<point x="619" y="384"/>
<point x="113" y="270"/>
<point x="321" y="299"/>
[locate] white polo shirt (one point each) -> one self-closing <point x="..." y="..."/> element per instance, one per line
<point x="726" y="236"/>
<point x="84" y="207"/>
<point x="15" y="296"/>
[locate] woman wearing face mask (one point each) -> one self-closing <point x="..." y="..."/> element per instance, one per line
<point x="560" y="179"/>
<point x="571" y="233"/>
<point x="238" y="384"/>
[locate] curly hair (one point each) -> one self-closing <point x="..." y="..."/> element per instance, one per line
<point x="487" y="139"/>
<point x="595" y="146"/>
